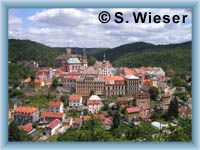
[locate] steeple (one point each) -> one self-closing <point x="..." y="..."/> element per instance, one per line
<point x="69" y="52"/>
<point x="104" y="58"/>
<point x="84" y="52"/>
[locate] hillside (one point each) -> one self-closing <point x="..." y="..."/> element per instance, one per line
<point x="78" y="50"/>
<point x="28" y="50"/>
<point x="172" y="56"/>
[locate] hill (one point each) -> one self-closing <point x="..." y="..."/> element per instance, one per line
<point x="171" y="56"/>
<point x="20" y="50"/>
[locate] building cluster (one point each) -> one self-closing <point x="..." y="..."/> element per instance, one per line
<point x="90" y="89"/>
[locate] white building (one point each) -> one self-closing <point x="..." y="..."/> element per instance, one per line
<point x="94" y="104"/>
<point x="75" y="100"/>
<point x="56" y="106"/>
<point x="53" y="127"/>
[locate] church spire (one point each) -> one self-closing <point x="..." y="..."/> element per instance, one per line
<point x="104" y="58"/>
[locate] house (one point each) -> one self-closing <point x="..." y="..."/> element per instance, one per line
<point x="44" y="74"/>
<point x="75" y="100"/>
<point x="50" y="116"/>
<point x="132" y="84"/>
<point x="115" y="85"/>
<point x="184" y="111"/>
<point x="56" y="106"/>
<point x="105" y="120"/>
<point x="145" y="113"/>
<point x="28" y="128"/>
<point x="142" y="98"/>
<point x="94" y="104"/>
<point x="86" y="118"/>
<point x="77" y="122"/>
<point x="53" y="127"/>
<point x="166" y="99"/>
<point x="132" y="114"/>
<point x="26" y="114"/>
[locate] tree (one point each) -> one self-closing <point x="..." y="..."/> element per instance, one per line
<point x="173" y="109"/>
<point x="16" y="134"/>
<point x="91" y="60"/>
<point x="153" y="91"/>
<point x="116" y="117"/>
<point x="54" y="83"/>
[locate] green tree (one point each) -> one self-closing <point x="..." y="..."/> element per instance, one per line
<point x="173" y="109"/>
<point x="91" y="60"/>
<point x="17" y="134"/>
<point x="54" y="83"/>
<point x="153" y="91"/>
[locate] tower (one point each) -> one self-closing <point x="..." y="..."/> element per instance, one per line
<point x="84" y="60"/>
<point x="104" y="58"/>
<point x="69" y="52"/>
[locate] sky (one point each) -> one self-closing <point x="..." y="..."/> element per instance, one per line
<point x="81" y="28"/>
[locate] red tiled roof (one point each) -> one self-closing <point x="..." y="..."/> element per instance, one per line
<point x="100" y="116"/>
<point x="144" y="106"/>
<point x="166" y="95"/>
<point x="147" y="82"/>
<point x="51" y="114"/>
<point x="77" y="120"/>
<point x="55" y="103"/>
<point x="133" y="110"/>
<point x="74" y="97"/>
<point x="27" y="127"/>
<point x="25" y="110"/>
<point x="54" y="123"/>
<point x="70" y="77"/>
<point x="107" y="121"/>
<point x="27" y="80"/>
<point x="45" y="70"/>
<point x="93" y="102"/>
<point x="74" y="73"/>
<point x="85" y="118"/>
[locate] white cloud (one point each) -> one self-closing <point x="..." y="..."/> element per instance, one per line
<point x="80" y="27"/>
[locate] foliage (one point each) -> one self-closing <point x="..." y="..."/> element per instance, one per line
<point x="20" y="50"/>
<point x="91" y="60"/>
<point x="54" y="84"/>
<point x="17" y="134"/>
<point x="92" y="130"/>
<point x="153" y="91"/>
<point x="173" y="109"/>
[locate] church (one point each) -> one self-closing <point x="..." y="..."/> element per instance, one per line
<point x="72" y="62"/>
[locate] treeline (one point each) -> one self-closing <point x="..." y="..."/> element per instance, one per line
<point x="26" y="50"/>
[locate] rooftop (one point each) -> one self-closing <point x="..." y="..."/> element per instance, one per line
<point x="55" y="103"/>
<point x="51" y="114"/>
<point x="74" y="97"/>
<point x="73" y="61"/>
<point x="133" y="110"/>
<point x="94" y="97"/>
<point x="54" y="123"/>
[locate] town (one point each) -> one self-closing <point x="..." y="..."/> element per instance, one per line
<point x="114" y="103"/>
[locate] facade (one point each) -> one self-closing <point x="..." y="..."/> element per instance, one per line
<point x="166" y="99"/>
<point x="77" y="122"/>
<point x="115" y="85"/>
<point x="26" y="114"/>
<point x="53" y="127"/>
<point x="73" y="65"/>
<point x="145" y="113"/>
<point x="44" y="74"/>
<point x="50" y="116"/>
<point x="132" y="114"/>
<point x="94" y="104"/>
<point x="75" y="100"/>
<point x="69" y="81"/>
<point x="85" y="84"/>
<point x="56" y="106"/>
<point x="132" y="84"/>
<point x="142" y="98"/>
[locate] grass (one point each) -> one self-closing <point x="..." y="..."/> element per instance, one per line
<point x="39" y="101"/>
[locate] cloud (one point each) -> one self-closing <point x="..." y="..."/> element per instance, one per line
<point x="80" y="27"/>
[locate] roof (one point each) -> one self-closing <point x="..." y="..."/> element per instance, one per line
<point x="166" y="95"/>
<point x="133" y="110"/>
<point x="107" y="121"/>
<point x="100" y="116"/>
<point x="45" y="70"/>
<point x="114" y="80"/>
<point x="93" y="102"/>
<point x="94" y="97"/>
<point x="144" y="106"/>
<point x="25" y="110"/>
<point x="55" y="103"/>
<point x="73" y="61"/>
<point x="27" y="80"/>
<point x="27" y="127"/>
<point x="141" y="95"/>
<point x="54" y="123"/>
<point x="147" y="82"/>
<point x="131" y="77"/>
<point x="85" y="118"/>
<point x="77" y="120"/>
<point x="51" y="114"/>
<point x="74" y="73"/>
<point x="70" y="77"/>
<point x="74" y="97"/>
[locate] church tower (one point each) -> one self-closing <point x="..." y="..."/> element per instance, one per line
<point x="69" y="52"/>
<point x="84" y="61"/>
<point x="104" y="58"/>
